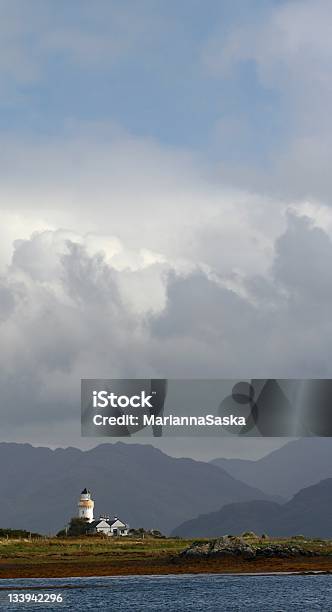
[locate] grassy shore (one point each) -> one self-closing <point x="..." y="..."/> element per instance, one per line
<point x="95" y="556"/>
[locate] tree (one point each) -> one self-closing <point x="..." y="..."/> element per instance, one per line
<point x="77" y="526"/>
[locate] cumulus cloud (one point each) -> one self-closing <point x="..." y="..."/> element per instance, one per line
<point x="279" y="325"/>
<point x="67" y="312"/>
<point x="165" y="202"/>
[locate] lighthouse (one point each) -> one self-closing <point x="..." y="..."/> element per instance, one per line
<point x="85" y="506"/>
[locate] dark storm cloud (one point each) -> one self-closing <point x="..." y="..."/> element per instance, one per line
<point x="303" y="261"/>
<point x="281" y="327"/>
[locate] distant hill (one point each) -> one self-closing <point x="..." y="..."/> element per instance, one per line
<point x="285" y="471"/>
<point x="40" y="487"/>
<point x="308" y="513"/>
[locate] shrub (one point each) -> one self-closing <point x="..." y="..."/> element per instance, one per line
<point x="18" y="533"/>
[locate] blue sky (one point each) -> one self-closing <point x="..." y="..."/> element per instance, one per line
<point x="151" y="77"/>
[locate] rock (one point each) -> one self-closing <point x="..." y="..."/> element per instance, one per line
<point x="232" y="546"/>
<point x="225" y="546"/>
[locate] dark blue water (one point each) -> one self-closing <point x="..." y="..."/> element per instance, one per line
<point x="208" y="592"/>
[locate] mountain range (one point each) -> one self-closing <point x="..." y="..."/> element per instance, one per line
<point x="308" y="513"/>
<point x="40" y="487"/>
<point x="285" y="471"/>
<point x="147" y="488"/>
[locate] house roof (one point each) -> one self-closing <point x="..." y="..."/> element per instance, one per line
<point x="95" y="523"/>
<point x="117" y="520"/>
<point x="103" y="520"/>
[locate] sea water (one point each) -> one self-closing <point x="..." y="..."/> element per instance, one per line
<point x="205" y="592"/>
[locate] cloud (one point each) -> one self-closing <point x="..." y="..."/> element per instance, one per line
<point x="68" y="313"/>
<point x="120" y="256"/>
<point x="163" y="202"/>
<point x="279" y="326"/>
<point x="70" y="321"/>
<point x="289" y="46"/>
<point x="285" y="49"/>
<point x="302" y="265"/>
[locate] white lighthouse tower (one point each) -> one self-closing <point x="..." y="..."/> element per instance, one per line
<point x="85" y="506"/>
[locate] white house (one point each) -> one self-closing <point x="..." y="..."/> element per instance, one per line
<point x="109" y="527"/>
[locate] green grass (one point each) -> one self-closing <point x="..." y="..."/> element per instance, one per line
<point x="49" y="548"/>
<point x="88" y="546"/>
